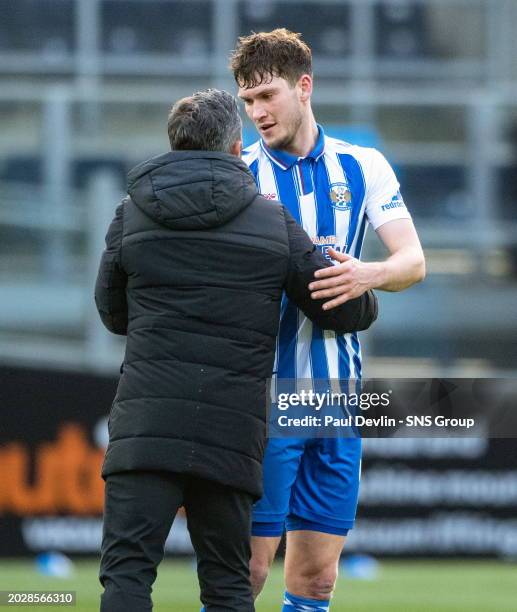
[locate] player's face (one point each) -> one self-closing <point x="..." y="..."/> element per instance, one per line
<point x="276" y="109"/>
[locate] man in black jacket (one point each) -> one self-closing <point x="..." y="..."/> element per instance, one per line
<point x="193" y="272"/>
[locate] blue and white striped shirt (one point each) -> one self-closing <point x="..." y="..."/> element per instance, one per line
<point x="333" y="193"/>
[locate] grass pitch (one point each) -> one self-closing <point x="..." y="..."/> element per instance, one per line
<point x="411" y="586"/>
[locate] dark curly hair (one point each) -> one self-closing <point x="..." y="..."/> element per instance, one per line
<point x="263" y="55"/>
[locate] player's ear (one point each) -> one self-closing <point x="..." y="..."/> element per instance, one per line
<point x="305" y="86"/>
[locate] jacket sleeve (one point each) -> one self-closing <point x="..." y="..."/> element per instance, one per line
<point x="354" y="315"/>
<point x="110" y="287"/>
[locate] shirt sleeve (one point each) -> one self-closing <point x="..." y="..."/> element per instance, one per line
<point x="384" y="201"/>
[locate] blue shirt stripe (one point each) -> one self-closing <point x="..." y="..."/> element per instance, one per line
<point x="254" y="170"/>
<point x="287" y="335"/>
<point x="325" y="212"/>
<point x="354" y="176"/>
<point x="287" y="191"/>
<point x="356" y="358"/>
<point x="287" y="339"/>
<point x="320" y="369"/>
<point x="344" y="361"/>
<point x="360" y="239"/>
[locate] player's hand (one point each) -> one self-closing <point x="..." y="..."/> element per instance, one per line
<point x="345" y="281"/>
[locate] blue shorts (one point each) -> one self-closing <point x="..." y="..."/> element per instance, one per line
<point x="309" y="484"/>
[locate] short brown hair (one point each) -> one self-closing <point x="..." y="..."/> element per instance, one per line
<point x="263" y="55"/>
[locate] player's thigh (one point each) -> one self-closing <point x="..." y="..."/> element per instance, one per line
<point x="312" y="558"/>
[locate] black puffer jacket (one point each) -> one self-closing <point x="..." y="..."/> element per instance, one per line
<point x="194" y="270"/>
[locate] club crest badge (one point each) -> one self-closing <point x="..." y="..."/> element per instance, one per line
<point x="340" y="196"/>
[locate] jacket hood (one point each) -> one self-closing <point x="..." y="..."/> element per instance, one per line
<point x="192" y="190"/>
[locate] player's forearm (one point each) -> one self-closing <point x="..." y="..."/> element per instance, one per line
<point x="401" y="270"/>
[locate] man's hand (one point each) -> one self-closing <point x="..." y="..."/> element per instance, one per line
<point x="351" y="278"/>
<point x="345" y="281"/>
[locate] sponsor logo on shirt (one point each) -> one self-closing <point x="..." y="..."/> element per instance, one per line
<point x="396" y="202"/>
<point x="340" y="196"/>
<point x="270" y="196"/>
<point x="325" y="242"/>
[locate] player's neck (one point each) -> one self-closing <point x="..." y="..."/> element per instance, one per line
<point x="305" y="139"/>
